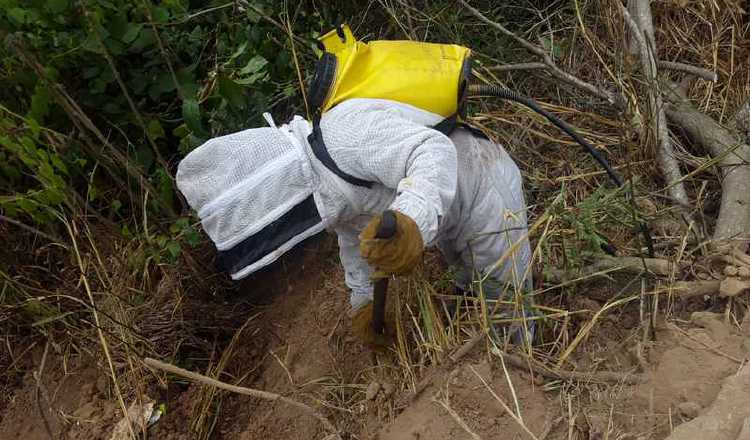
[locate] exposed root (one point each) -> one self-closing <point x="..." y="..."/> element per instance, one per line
<point x="265" y="395"/>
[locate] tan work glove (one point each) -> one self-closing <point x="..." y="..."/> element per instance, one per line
<point x="362" y="328"/>
<point x="393" y="256"/>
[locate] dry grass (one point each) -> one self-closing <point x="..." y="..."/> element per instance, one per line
<point x="138" y="307"/>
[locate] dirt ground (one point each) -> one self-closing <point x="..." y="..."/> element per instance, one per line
<point x="298" y="343"/>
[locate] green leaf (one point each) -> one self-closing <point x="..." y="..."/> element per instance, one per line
<point x="252" y="79"/>
<point x="174" y="249"/>
<point x="155" y="130"/>
<point x="549" y="46"/>
<point x="39" y="103"/>
<point x="240" y="50"/>
<point x="232" y="92"/>
<point x="18" y="15"/>
<point x="255" y="64"/>
<point x="160" y="14"/>
<point x="161" y="85"/>
<point x="132" y="32"/>
<point x="144" y="157"/>
<point x="146" y="38"/>
<point x="191" y="113"/>
<point x="57" y="6"/>
<point x="115" y="205"/>
<point x="181" y="131"/>
<point x="58" y="163"/>
<point x="91" y="44"/>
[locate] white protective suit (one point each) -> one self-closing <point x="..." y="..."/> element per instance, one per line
<point x="464" y="193"/>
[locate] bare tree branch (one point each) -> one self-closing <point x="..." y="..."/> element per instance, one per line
<point x="665" y="153"/>
<point x="734" y="161"/>
<point x="519" y="66"/>
<point x="687" y="68"/>
<point x="741" y="120"/>
<point x="611" y="97"/>
<point x="260" y="394"/>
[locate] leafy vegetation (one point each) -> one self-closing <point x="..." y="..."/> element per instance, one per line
<point x="102" y="98"/>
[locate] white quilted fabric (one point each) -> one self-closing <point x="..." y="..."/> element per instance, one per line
<point x="243" y="181"/>
<point x="466" y="198"/>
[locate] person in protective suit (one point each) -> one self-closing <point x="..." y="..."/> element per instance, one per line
<point x="259" y="192"/>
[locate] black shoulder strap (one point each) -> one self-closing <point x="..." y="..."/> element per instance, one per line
<point x="321" y="152"/>
<point x="447" y="125"/>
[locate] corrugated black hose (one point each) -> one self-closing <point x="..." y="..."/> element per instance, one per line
<point x="511" y="95"/>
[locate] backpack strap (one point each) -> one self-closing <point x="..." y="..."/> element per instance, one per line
<point x="319" y="149"/>
<point x="321" y="153"/>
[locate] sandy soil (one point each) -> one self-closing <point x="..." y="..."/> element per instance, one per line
<point x="300" y="345"/>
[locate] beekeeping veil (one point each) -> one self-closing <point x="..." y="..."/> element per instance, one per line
<point x="253" y="191"/>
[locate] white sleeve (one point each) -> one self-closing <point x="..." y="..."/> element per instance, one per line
<point x="379" y="144"/>
<point x="356" y="270"/>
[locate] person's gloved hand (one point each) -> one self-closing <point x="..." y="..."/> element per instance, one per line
<point x="393" y="256"/>
<point x="362" y="328"/>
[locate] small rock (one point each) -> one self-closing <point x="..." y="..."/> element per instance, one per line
<point x="731" y="271"/>
<point x="731" y="286"/>
<point x="372" y="390"/>
<point x="388" y="389"/>
<point x="102" y="385"/>
<point x="689" y="410"/>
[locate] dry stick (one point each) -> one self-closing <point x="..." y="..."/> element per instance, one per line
<point x="100" y="333"/>
<point x="707" y="347"/>
<point x="446" y="405"/>
<point x="741" y="120"/>
<point x="687" y="68"/>
<point x="607" y="265"/>
<point x="38" y="392"/>
<point x="517" y="418"/>
<point x="31" y="229"/>
<point x="263" y="15"/>
<point x="290" y="34"/>
<point x="265" y="395"/>
<point x="665" y="154"/>
<point x="612" y="98"/>
<point x="734" y="159"/>
<point x="518" y="66"/>
<point x="453" y="358"/>
<point x="592" y="376"/>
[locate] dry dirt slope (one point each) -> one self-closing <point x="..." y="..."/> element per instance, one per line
<point x="300" y="345"/>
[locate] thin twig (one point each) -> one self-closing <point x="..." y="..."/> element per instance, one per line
<point x="126" y="93"/>
<point x="446" y="405"/>
<point x="100" y="333"/>
<point x="517" y="66"/>
<point x="39" y="392"/>
<point x="516" y="418"/>
<point x="554" y="70"/>
<point x="31" y="229"/>
<point x="706" y="346"/>
<point x="265" y="395"/>
<point x="583" y="376"/>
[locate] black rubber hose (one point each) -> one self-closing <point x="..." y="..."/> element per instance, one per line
<point x="511" y="95"/>
<point x="501" y="92"/>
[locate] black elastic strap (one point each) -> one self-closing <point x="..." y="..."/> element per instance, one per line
<point x="321" y="153"/>
<point x="447" y="125"/>
<point x="294" y="222"/>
